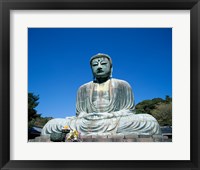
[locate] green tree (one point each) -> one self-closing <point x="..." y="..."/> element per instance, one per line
<point x="159" y="108"/>
<point x="147" y="105"/>
<point x="168" y="99"/>
<point x="163" y="114"/>
<point x="41" y="121"/>
<point x="34" y="118"/>
<point x="32" y="104"/>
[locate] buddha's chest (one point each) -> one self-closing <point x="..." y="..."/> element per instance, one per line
<point x="101" y="95"/>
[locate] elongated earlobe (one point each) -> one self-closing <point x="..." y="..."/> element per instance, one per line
<point x="111" y="71"/>
<point x="94" y="78"/>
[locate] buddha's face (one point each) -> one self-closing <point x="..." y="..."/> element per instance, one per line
<point x="101" y="67"/>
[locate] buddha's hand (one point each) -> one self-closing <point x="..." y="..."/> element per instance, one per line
<point x="101" y="115"/>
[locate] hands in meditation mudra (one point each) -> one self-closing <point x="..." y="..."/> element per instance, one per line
<point x="105" y="106"/>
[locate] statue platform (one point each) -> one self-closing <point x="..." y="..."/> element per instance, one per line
<point x="116" y="138"/>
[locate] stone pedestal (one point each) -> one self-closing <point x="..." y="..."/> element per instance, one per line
<point x="113" y="138"/>
<point x="125" y="138"/>
<point x="41" y="139"/>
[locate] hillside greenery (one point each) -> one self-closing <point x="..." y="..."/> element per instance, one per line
<point x="159" y="108"/>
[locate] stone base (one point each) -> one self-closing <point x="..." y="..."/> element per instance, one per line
<point x="41" y="139"/>
<point x="126" y="138"/>
<point x="113" y="138"/>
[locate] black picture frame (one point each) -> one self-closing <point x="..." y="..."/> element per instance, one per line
<point x="7" y="5"/>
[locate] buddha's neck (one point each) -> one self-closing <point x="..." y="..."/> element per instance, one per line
<point x="102" y="80"/>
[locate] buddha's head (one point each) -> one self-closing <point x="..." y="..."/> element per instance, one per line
<point x="101" y="65"/>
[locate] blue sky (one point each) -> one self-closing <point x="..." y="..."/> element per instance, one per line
<point x="58" y="63"/>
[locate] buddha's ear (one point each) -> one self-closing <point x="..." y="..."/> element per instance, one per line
<point x="94" y="78"/>
<point x="111" y="71"/>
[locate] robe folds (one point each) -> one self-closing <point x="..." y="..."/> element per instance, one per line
<point x="115" y="117"/>
<point x="120" y="93"/>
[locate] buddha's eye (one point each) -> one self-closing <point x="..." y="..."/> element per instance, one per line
<point x="95" y="64"/>
<point x="103" y="63"/>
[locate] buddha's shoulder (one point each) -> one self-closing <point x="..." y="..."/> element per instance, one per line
<point x="120" y="82"/>
<point x="86" y="85"/>
<point x="115" y="82"/>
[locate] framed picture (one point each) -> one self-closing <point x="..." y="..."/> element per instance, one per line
<point x="28" y="26"/>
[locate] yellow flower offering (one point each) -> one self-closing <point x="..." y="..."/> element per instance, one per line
<point x="66" y="127"/>
<point x="75" y="133"/>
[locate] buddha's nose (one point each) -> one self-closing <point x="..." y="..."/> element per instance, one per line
<point x="99" y="66"/>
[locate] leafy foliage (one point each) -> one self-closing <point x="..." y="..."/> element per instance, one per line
<point x="163" y="114"/>
<point x="159" y="108"/>
<point x="34" y="118"/>
<point x="32" y="104"/>
<point x="40" y="121"/>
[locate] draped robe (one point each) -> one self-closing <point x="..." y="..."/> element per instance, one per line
<point x="111" y="116"/>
